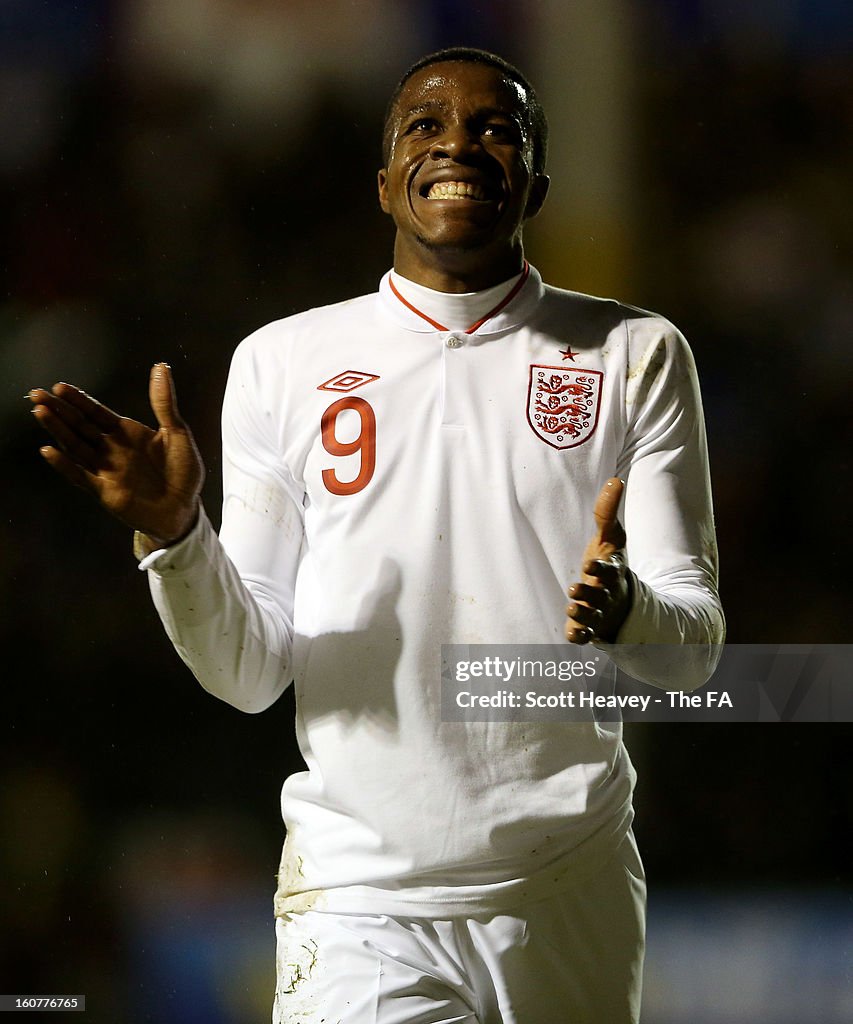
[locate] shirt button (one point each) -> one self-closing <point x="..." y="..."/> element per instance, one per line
<point x="454" y="342"/>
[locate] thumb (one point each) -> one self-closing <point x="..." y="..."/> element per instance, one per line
<point x="606" y="508"/>
<point x="161" y="395"/>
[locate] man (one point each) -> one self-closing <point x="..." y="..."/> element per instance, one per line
<point x="420" y="467"/>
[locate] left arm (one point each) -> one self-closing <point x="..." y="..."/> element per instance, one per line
<point x="654" y="584"/>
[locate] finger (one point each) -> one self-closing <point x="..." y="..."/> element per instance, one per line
<point x="73" y="419"/>
<point x="606" y="509"/>
<point x="603" y="573"/>
<point x="577" y="634"/>
<point x="73" y="473"/>
<point x="607" y="502"/>
<point x="161" y="394"/>
<point x="104" y="418"/>
<point x="594" y="596"/>
<point x="584" y="615"/>
<point x="73" y="444"/>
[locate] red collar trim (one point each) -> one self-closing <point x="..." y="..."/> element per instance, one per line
<point x="505" y="301"/>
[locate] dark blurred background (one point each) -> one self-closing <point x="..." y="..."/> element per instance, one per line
<point x="175" y="174"/>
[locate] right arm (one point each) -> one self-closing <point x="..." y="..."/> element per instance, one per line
<point x="234" y="629"/>
<point x="234" y="626"/>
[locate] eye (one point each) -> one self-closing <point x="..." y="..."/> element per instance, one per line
<point x="502" y="131"/>
<point x="422" y="124"/>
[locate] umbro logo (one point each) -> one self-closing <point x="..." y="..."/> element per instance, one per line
<point x="349" y="380"/>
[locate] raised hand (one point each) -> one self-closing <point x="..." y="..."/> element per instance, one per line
<point x="601" y="599"/>
<point x="149" y="479"/>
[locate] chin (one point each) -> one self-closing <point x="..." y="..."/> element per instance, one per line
<point x="451" y="245"/>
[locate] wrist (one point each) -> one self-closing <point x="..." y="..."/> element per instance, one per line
<point x="145" y="543"/>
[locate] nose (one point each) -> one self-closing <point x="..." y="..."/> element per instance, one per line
<point x="456" y="142"/>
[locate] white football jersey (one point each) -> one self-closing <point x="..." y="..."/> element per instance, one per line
<point x="398" y="477"/>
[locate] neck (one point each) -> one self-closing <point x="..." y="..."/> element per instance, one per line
<point x="448" y="311"/>
<point x="457" y="271"/>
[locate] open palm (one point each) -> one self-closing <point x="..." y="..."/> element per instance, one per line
<point x="149" y="479"/>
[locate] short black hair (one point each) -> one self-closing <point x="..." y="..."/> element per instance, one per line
<point x="537" y="123"/>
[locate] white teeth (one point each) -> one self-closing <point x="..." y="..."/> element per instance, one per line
<point x="455" y="190"/>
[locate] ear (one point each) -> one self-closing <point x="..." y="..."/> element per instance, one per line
<point x="382" y="181"/>
<point x="536" y="199"/>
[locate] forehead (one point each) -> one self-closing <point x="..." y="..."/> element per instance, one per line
<point x="461" y="83"/>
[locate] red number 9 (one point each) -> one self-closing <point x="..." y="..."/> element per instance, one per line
<point x="365" y="443"/>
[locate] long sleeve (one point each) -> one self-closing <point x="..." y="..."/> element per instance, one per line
<point x="227" y="602"/>
<point x="668" y="515"/>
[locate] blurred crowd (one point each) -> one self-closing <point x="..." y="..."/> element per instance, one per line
<point x="174" y="175"/>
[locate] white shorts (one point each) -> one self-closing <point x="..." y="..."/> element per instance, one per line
<point x="574" y="958"/>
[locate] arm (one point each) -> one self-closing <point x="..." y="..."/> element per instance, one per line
<point x="666" y="594"/>
<point x="234" y="635"/>
<point x="227" y="602"/>
<point x="232" y="628"/>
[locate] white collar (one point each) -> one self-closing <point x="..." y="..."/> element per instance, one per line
<point x="424" y="310"/>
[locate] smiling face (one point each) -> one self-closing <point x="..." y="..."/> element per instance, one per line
<point x="459" y="182"/>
